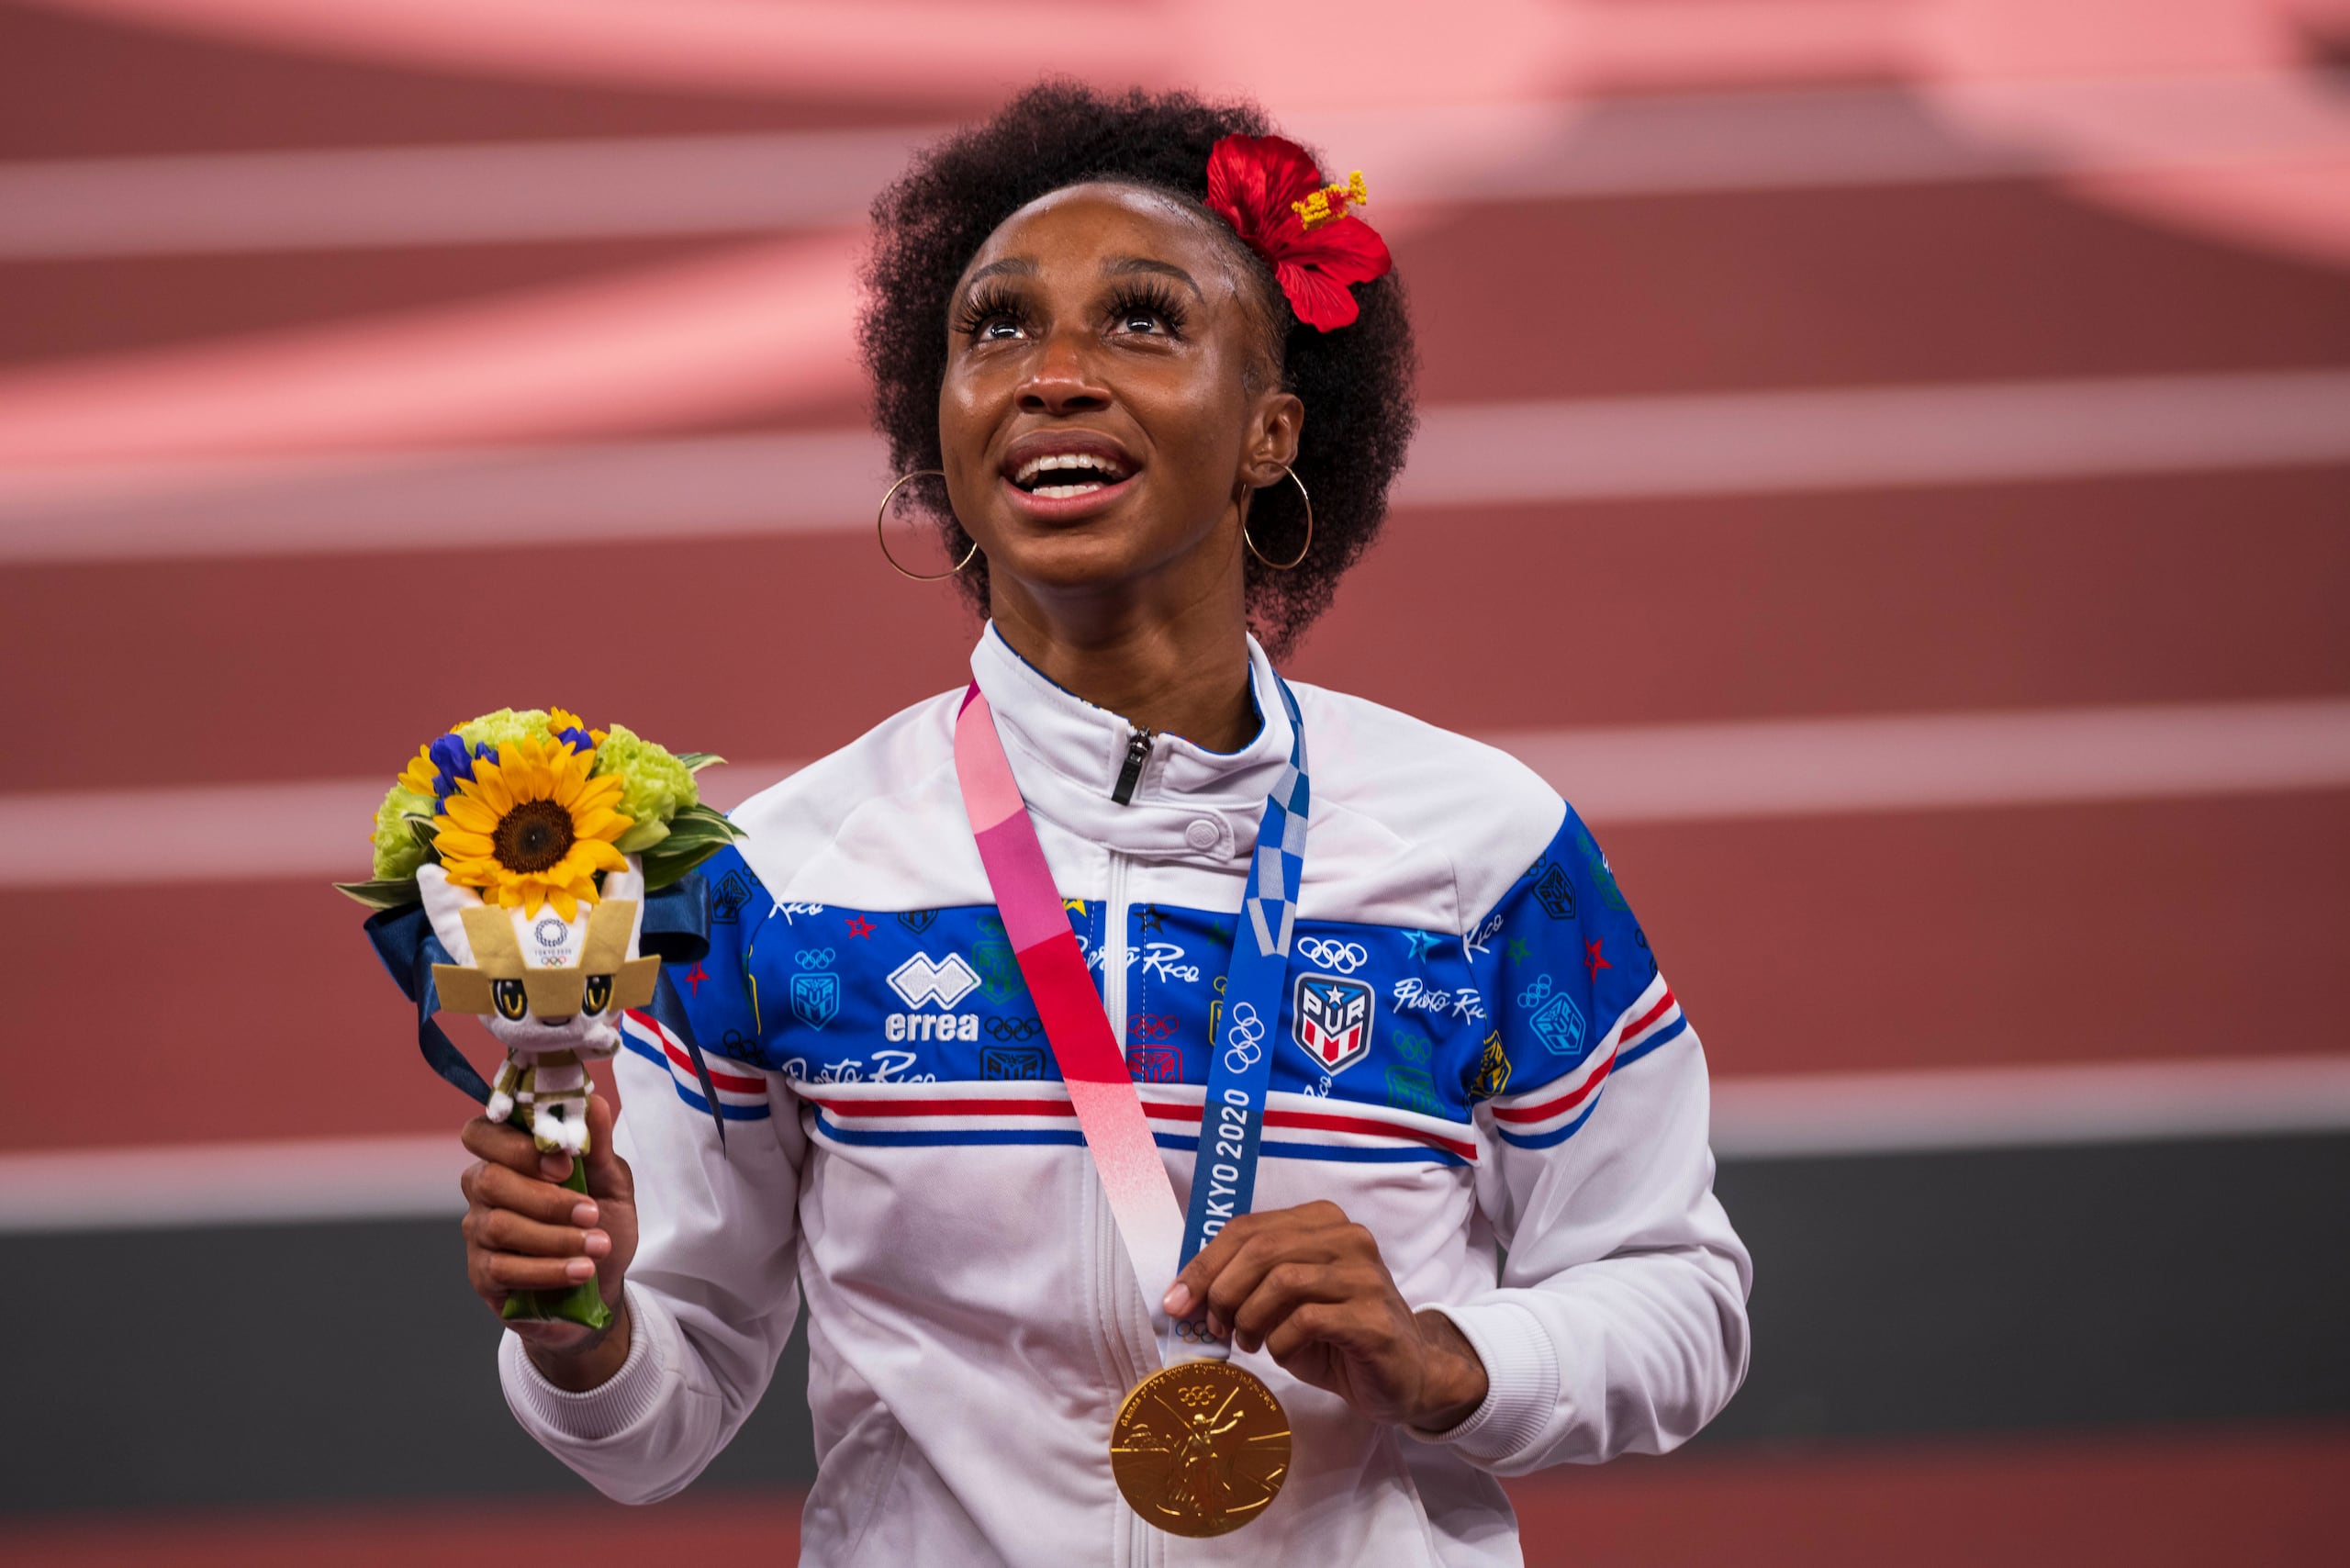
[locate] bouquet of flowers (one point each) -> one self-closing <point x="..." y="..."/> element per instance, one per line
<point x="515" y="860"/>
<point x="557" y="804"/>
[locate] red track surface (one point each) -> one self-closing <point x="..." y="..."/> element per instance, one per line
<point x="2079" y="932"/>
<point x="2148" y="1502"/>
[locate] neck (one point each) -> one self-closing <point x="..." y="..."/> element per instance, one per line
<point x="1182" y="673"/>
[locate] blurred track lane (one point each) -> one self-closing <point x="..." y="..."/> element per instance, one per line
<point x="2196" y="587"/>
<point x="1643" y="774"/>
<point x="527" y="192"/>
<point x="86" y="86"/>
<point x="1578" y="450"/>
<point x="2151" y="930"/>
<point x="2141" y="1498"/>
<point x="1963" y="282"/>
<point x="1605" y="296"/>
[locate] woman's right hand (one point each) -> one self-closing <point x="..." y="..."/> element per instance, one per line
<point x="524" y="1231"/>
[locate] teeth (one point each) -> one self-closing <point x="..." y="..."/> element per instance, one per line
<point x="1063" y="492"/>
<point x="1036" y="466"/>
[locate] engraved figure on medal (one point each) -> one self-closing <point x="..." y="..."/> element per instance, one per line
<point x="1200" y="1448"/>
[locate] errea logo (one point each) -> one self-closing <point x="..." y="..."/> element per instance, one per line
<point x="918" y="980"/>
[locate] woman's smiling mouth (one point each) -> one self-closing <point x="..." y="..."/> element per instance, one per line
<point x="1059" y="476"/>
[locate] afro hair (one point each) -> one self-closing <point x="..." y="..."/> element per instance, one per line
<point x="1355" y="382"/>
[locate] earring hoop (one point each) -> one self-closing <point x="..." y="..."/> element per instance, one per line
<point x="1293" y="561"/>
<point x="883" y="540"/>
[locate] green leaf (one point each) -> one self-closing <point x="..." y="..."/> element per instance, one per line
<point x="421" y="829"/>
<point x="696" y="761"/>
<point x="661" y="869"/>
<point x="642" y="836"/>
<point x="390" y="893"/>
<point x="705" y="818"/>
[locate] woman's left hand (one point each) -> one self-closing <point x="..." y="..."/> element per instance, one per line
<point x="1308" y="1286"/>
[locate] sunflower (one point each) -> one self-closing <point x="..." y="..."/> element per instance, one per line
<point x="531" y="827"/>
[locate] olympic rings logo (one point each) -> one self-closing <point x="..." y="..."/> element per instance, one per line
<point x="1012" y="1028"/>
<point x="814" y="958"/>
<point x="1152" y="1025"/>
<point x="1344" y="956"/>
<point x="1244" y="1039"/>
<point x="1535" y="994"/>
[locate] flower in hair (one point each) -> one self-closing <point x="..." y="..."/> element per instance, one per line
<point x="1269" y="190"/>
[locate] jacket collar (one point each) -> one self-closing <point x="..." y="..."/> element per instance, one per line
<point x="1191" y="803"/>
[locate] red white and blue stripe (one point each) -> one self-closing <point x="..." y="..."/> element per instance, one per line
<point x="1557" y="1111"/>
<point x="1297" y="1127"/>
<point x="741" y="1089"/>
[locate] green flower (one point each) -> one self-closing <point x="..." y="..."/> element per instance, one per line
<point x="398" y="852"/>
<point x="505" y="726"/>
<point x="654" y="786"/>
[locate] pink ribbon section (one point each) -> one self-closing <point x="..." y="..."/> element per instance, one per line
<point x="1109" y="1111"/>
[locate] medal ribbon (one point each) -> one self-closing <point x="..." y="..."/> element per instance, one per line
<point x="1158" y="1238"/>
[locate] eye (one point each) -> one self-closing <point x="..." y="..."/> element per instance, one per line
<point x="600" y="994"/>
<point x="513" y="1005"/>
<point x="1147" y="309"/>
<point x="994" y="314"/>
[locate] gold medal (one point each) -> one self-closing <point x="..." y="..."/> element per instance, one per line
<point x="1200" y="1448"/>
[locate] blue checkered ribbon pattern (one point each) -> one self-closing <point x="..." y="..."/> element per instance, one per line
<point x="1240" y="1058"/>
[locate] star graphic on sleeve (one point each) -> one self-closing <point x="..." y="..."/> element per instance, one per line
<point x="1423" y="943"/>
<point x="1517" y="949"/>
<point x="695" y="979"/>
<point x="1074" y="906"/>
<point x="859" y="926"/>
<point x="1151" y="921"/>
<point x="1591" y="958"/>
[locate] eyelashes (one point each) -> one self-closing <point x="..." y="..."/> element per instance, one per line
<point x="993" y="305"/>
<point x="1147" y="297"/>
<point x="987" y="305"/>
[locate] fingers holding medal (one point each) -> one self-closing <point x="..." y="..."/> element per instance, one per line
<point x="1308" y="1286"/>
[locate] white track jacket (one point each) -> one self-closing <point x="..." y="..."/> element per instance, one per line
<point x="1505" y="1093"/>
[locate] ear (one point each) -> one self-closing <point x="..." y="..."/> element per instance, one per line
<point x="445" y="906"/>
<point x="1275" y="425"/>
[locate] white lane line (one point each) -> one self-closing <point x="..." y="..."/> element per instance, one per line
<point x="1565" y="451"/>
<point x="1940" y="761"/>
<point x="504" y="193"/>
<point x="1775" y="1117"/>
<point x="169" y="1186"/>
<point x="2010" y="1107"/>
<point x="1659" y="773"/>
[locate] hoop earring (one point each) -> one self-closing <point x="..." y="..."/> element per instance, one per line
<point x="883" y="539"/>
<point x="1291" y="562"/>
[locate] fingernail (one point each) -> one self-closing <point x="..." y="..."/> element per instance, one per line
<point x="1217" y="1329"/>
<point x="598" y="1244"/>
<point x="555" y="1167"/>
<point x="583" y="1215"/>
<point x="581" y="1269"/>
<point x="1177" y="1300"/>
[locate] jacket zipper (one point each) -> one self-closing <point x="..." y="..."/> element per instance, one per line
<point x="1130" y="774"/>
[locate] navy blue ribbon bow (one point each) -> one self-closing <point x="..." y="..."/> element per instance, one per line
<point x="675" y="930"/>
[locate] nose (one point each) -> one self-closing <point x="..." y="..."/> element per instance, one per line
<point x="1061" y="380"/>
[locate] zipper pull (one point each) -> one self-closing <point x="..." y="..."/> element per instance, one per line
<point x="1130" y="775"/>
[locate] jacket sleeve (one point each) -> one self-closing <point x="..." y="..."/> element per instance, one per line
<point x="714" y="1288"/>
<point x="1619" y="1320"/>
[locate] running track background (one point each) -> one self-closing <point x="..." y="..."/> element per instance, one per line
<point x="1885" y="459"/>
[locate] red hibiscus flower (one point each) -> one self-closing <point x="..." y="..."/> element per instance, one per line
<point x="1254" y="184"/>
